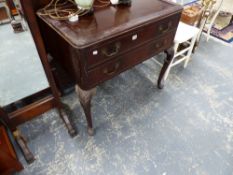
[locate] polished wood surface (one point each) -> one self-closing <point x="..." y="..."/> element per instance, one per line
<point x="111" y="21"/>
<point x="126" y="61"/>
<point x="112" y="40"/>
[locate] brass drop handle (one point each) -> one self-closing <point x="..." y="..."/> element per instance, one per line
<point x="113" y="51"/>
<point x="163" y="29"/>
<point x="111" y="72"/>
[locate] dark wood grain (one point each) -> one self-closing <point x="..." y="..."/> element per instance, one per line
<point x="106" y="23"/>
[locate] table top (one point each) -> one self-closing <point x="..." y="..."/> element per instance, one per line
<point x="111" y="21"/>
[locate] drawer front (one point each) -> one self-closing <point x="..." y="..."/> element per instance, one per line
<point x="125" y="61"/>
<point x="107" y="50"/>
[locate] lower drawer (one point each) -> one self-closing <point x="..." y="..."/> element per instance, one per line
<point x="123" y="62"/>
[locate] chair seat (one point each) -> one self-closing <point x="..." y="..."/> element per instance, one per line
<point x="185" y="32"/>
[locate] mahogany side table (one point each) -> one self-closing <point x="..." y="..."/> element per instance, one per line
<point x="114" y="39"/>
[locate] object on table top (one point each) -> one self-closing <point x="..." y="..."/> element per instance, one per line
<point x="85" y="4"/>
<point x="69" y="10"/>
<point x="73" y="18"/>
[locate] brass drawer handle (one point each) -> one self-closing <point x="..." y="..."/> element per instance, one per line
<point x="111" y="72"/>
<point x="116" y="49"/>
<point x="163" y="29"/>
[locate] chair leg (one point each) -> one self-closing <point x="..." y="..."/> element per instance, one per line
<point x="168" y="71"/>
<point x="171" y="64"/>
<point x="190" y="50"/>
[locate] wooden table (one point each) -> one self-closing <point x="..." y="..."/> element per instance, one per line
<point x="114" y="39"/>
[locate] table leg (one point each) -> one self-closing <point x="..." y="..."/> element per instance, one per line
<point x="29" y="157"/>
<point x="85" y="101"/>
<point x="69" y="125"/>
<point x="169" y="56"/>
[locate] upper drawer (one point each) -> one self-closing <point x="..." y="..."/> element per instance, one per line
<point x="114" y="47"/>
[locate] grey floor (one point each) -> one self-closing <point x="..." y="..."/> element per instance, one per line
<point x="186" y="128"/>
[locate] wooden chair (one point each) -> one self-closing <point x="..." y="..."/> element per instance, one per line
<point x="187" y="37"/>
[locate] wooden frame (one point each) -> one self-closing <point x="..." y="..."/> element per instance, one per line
<point x="13" y="119"/>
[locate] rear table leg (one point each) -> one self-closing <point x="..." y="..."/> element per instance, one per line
<point x="69" y="125"/>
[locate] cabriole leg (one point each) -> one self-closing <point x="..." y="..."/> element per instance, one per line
<point x="85" y="97"/>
